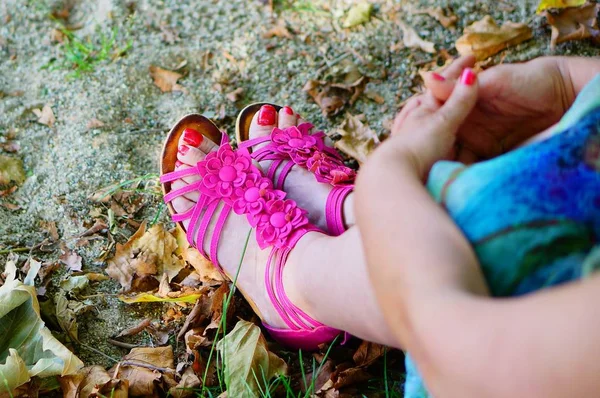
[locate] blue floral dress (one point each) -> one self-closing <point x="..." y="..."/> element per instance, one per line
<point x="533" y="214"/>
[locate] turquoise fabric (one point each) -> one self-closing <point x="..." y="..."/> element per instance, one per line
<point x="532" y="215"/>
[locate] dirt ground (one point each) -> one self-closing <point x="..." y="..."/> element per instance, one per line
<point x="224" y="49"/>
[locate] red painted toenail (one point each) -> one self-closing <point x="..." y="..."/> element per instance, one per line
<point x="178" y="164"/>
<point x="267" y="115"/>
<point x="288" y="110"/>
<point x="438" y="77"/>
<point x="183" y="149"/>
<point x="192" y="137"/>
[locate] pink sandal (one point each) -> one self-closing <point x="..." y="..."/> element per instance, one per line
<point x="229" y="178"/>
<point x="297" y="146"/>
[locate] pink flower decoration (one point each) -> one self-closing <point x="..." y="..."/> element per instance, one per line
<point x="223" y="171"/>
<point x="329" y="169"/>
<point x="295" y="141"/>
<point x="278" y="221"/>
<point x="309" y="152"/>
<point x="253" y="196"/>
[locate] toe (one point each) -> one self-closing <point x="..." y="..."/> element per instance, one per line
<point x="189" y="155"/>
<point x="263" y="122"/>
<point x="193" y="138"/>
<point x="287" y="117"/>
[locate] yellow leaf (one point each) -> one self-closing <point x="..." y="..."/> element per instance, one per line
<point x="151" y="298"/>
<point x="545" y="4"/>
<point x="485" y="38"/>
<point x="358" y="14"/>
<point x="11" y="171"/>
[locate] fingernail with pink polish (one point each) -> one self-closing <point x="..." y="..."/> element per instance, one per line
<point x="468" y="77"/>
<point x="438" y="77"/>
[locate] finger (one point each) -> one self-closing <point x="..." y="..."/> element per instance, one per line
<point x="460" y="103"/>
<point x="441" y="84"/>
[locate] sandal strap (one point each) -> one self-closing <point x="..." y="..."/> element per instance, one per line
<point x="230" y="181"/>
<point x="334" y="212"/>
<point x="296" y="143"/>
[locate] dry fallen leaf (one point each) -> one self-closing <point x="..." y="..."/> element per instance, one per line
<point x="93" y="381"/>
<point x="11" y="171"/>
<point x="71" y="259"/>
<point x="165" y="79"/>
<point x="146" y="368"/>
<point x="358" y="140"/>
<point x="485" y="38"/>
<point x="575" y="23"/>
<point x="546" y="4"/>
<point x="412" y="39"/>
<point x="209" y="274"/>
<point x="185" y="388"/>
<point x="367" y="353"/>
<point x="332" y="97"/>
<point x="349" y="377"/>
<point x="138" y="265"/>
<point x="248" y="360"/>
<point x="438" y="13"/>
<point x="358" y="14"/>
<point x="174" y="297"/>
<point x="45" y="116"/>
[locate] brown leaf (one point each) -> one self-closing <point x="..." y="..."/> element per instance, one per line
<point x="209" y="274"/>
<point x="367" y="353"/>
<point x="332" y="97"/>
<point x="574" y="23"/>
<point x="71" y="259"/>
<point x="358" y="140"/>
<point x="349" y="377"/>
<point x="412" y="39"/>
<point x="139" y="263"/>
<point x="145" y="368"/>
<point x="90" y="382"/>
<point x="45" y="116"/>
<point x="438" y="13"/>
<point x="279" y="30"/>
<point x="185" y="388"/>
<point x="165" y="79"/>
<point x="94" y="123"/>
<point x="235" y="95"/>
<point x="323" y="378"/>
<point x="485" y="38"/>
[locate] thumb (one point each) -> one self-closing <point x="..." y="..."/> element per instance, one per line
<point x="461" y="102"/>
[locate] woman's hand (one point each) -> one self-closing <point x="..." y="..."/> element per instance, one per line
<point x="425" y="130"/>
<point x="516" y="101"/>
